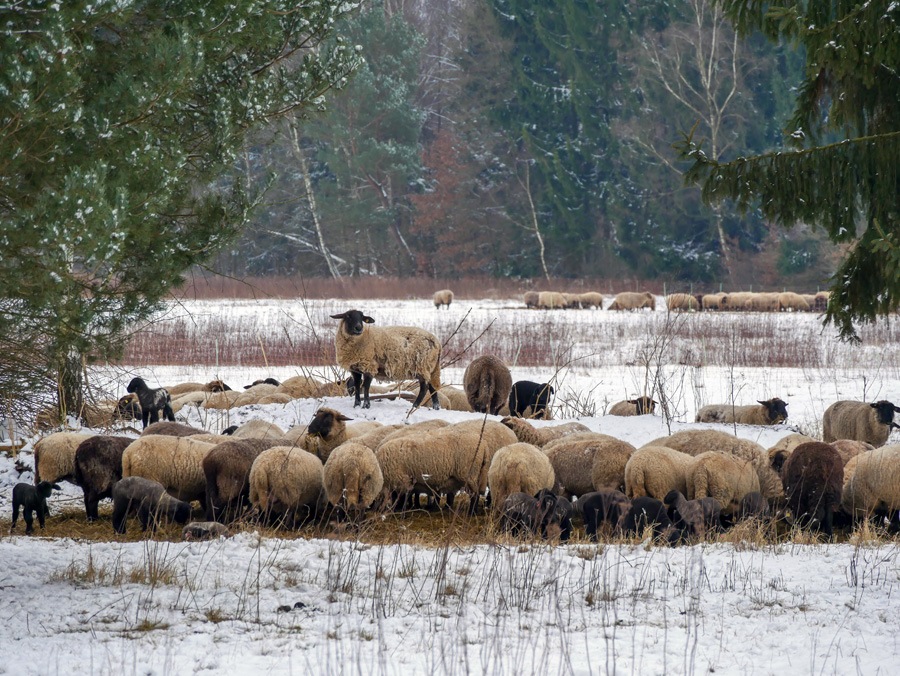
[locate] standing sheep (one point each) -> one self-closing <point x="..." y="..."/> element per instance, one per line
<point x="813" y="479"/>
<point x="531" y="298"/>
<point x="859" y="421"/>
<point x="603" y="507"/>
<point x="443" y="297"/>
<point x="632" y="300"/>
<point x="793" y="302"/>
<point x="693" y="518"/>
<point x="874" y="487"/>
<point x="352" y="478"/>
<point x="682" y="302"/>
<point x="54" y="456"/>
<point x="520" y="514"/>
<point x="226" y="469"/>
<point x="722" y="476"/>
<point x="387" y="353"/>
<point x="151" y="502"/>
<point x="152" y="401"/>
<point x="578" y="459"/>
<point x="487" y="383"/>
<point x="518" y="468"/>
<point x="174" y="462"/>
<point x="592" y="299"/>
<point x="98" y="466"/>
<point x="551" y="300"/>
<point x="32" y="499"/>
<point x="639" y="406"/>
<point x="654" y="471"/>
<point x="649" y="513"/>
<point x="769" y="412"/>
<point x="287" y="481"/>
<point x="528" y="399"/>
<point x="714" y="301"/>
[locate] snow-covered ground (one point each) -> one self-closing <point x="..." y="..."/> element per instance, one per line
<point x="156" y="607"/>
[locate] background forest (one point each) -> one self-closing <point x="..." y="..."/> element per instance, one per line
<point x="514" y="138"/>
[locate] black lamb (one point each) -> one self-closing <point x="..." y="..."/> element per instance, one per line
<point x="151" y="502"/>
<point x="152" y="401"/>
<point x="528" y="399"/>
<point x="31" y="499"/>
<point x="605" y="506"/>
<point x="555" y="514"/>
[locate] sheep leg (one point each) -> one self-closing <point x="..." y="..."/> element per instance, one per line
<point x="42" y="511"/>
<point x="828" y="520"/>
<point x="367" y="381"/>
<point x="15" y="516"/>
<point x="90" y="506"/>
<point x="154" y="415"/>
<point x="120" y="514"/>
<point x="357" y="381"/>
<point x="168" y="413"/>
<point x="28" y="515"/>
<point x="422" y="389"/>
<point x="145" y="415"/>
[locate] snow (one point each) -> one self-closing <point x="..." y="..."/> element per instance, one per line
<point x="254" y="604"/>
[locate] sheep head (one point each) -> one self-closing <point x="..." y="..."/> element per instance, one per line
<point x="136" y="385"/>
<point x="324" y="423"/>
<point x="776" y="409"/>
<point x="353" y="321"/>
<point x="885" y="411"/>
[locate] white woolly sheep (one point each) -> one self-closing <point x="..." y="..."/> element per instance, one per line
<point x="353" y="478"/>
<point x="722" y="476"/>
<point x="456" y="399"/>
<point x="762" y="302"/>
<point x="531" y="298"/>
<point x="276" y="398"/>
<point x="874" y="485"/>
<point x="181" y="389"/>
<point x="633" y="300"/>
<point x="573" y="458"/>
<point x="299" y="387"/>
<point x="518" y="468"/>
<point x="222" y="401"/>
<point x="769" y="412"/>
<point x="541" y="436"/>
<point x="714" y="301"/>
<point x="443" y="297"/>
<point x="608" y="467"/>
<point x="551" y="300"/>
<point x="573" y="300"/>
<point x="682" y="302"/>
<point x="175" y="462"/>
<point x="54" y="456"/>
<point x="850" y="448"/>
<point x="361" y="428"/>
<point x="787" y="444"/>
<point x="592" y="299"/>
<point x="487" y="382"/>
<point x="859" y="421"/>
<point x="793" y="302"/>
<point x="639" y="406"/>
<point x="171" y="429"/>
<point x="258" y="429"/>
<point x="414" y="428"/>
<point x="654" y="471"/>
<point x="286" y="481"/>
<point x="387" y="353"/>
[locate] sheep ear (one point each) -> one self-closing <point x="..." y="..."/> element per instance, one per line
<point x="876" y="406"/>
<point x="764" y="403"/>
<point x="896" y="409"/>
<point x="342" y="417"/>
<point x="368" y="320"/>
<point x="340" y="316"/>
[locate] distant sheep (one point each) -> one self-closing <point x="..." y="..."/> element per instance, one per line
<point x="654" y="471"/>
<point x="456" y="398"/>
<point x="226" y="469"/>
<point x="54" y="456"/>
<point x="286" y="482"/>
<point x="638" y="406"/>
<point x="821" y="301"/>
<point x="32" y="499"/>
<point x="682" y="302"/>
<point x="443" y="297"/>
<point x="859" y="421"/>
<point x="151" y="502"/>
<point x="714" y="301"/>
<point x="573" y="300"/>
<point x="487" y="383"/>
<point x="813" y="479"/>
<point x="762" y="302"/>
<point x="518" y="468"/>
<point x="264" y="381"/>
<point x="531" y="298"/>
<point x="632" y="300"/>
<point x="592" y="299"/>
<point x="98" y="466"/>
<point x="551" y="300"/>
<point x="528" y="399"/>
<point x="770" y="412"/>
<point x="352" y="478"/>
<point x="175" y="462"/>
<point x="541" y="436"/>
<point x="387" y="353"/>
<point x="152" y="401"/>
<point x="794" y="302"/>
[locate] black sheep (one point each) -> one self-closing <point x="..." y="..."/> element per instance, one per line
<point x="152" y="401"/>
<point x="813" y="478"/>
<point x="606" y="506"/>
<point x="693" y="518"/>
<point x="520" y="513"/>
<point x="555" y="515"/>
<point x="128" y="408"/>
<point x="753" y="506"/>
<point x="151" y="502"/>
<point x="526" y="395"/>
<point x="98" y="466"/>
<point x="31" y="499"/>
<point x="649" y="513"/>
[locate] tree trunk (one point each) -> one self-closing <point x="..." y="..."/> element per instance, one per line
<point x="70" y="386"/>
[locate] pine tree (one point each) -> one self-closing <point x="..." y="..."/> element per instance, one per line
<point x="850" y="90"/>
<point x="120" y="129"/>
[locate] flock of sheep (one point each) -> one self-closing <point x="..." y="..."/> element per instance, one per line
<point x="533" y="477"/>
<point x="676" y="302"/>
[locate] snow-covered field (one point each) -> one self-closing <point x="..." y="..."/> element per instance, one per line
<point x="256" y="604"/>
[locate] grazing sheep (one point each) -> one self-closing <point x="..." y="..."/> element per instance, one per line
<point x="654" y="471"/>
<point x="265" y="381"/>
<point x="693" y="518"/>
<point x="610" y="460"/>
<point x="792" y="301"/>
<point x="372" y="439"/>
<point x="541" y="436"/>
<point x="362" y="428"/>
<point x="551" y="300"/>
<point x="353" y="478"/>
<point x="603" y="507"/>
<point x="32" y="499"/>
<point x="487" y="383"/>
<point x="714" y="301"/>
<point x="577" y="458"/>
<point x="387" y="353"/>
<point x="204" y="530"/>
<point x="151" y="502"/>
<point x="648" y="513"/>
<point x="639" y="406"/>
<point x="821" y="303"/>
<point x="849" y="448"/>
<point x="152" y="401"/>
<point x="518" y="468"/>
<point x="443" y="297"/>
<point x="457" y="399"/>
<point x="859" y="421"/>
<point x="753" y="506"/>
<point x="769" y="412"/>
<point x="813" y="479"/>
<point x="98" y="466"/>
<point x="54" y="456"/>
<point x="874" y="487"/>
<point x="528" y="399"/>
<point x="682" y="302"/>
<point x="226" y="469"/>
<point x="171" y="429"/>
<point x="722" y="476"/>
<point x="519" y="514"/>
<point x="762" y="302"/>
<point x="573" y="300"/>
<point x="788" y="444"/>
<point x="555" y="514"/>
<point x="174" y="462"/>
<point x="258" y="429"/>
<point x="591" y="299"/>
<point x="531" y="298"/>
<point x="632" y="300"/>
<point x="286" y="481"/>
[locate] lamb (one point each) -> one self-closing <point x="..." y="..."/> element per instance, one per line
<point x="648" y="513"/>
<point x="32" y="499"/>
<point x="859" y="421"/>
<point x="171" y="429"/>
<point x="151" y="502"/>
<point x="258" y="429"/>
<point x="352" y="478"/>
<point x="639" y="406"/>
<point x="693" y="518"/>
<point x="98" y="466"/>
<point x="518" y="468"/>
<point x="541" y="436"/>
<point x="753" y="506"/>
<point x="174" y="462"/>
<point x="551" y="300"/>
<point x="528" y="399"/>
<point x="520" y="514"/>
<point x="578" y="459"/>
<point x="770" y="412"/>
<point x="792" y="301"/>
<point x="875" y="485"/>
<point x="127" y="408"/>
<point x="682" y="302"/>
<point x="555" y="514"/>
<point x="813" y="479"/>
<point x="632" y="300"/>
<point x="591" y="299"/>
<point x="722" y="476"/>
<point x="152" y="401"/>
<point x="286" y="481"/>
<point x="443" y="297"/>
<point x="487" y="383"/>
<point x="54" y="456"/>
<point x="531" y="298"/>
<point x="204" y="530"/>
<point x="226" y="469"/>
<point x="388" y="353"/>
<point x="603" y="507"/>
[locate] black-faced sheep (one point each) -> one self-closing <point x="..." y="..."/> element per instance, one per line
<point x="813" y="479"/>
<point x="152" y="401"/>
<point x="693" y="518"/>
<point x="531" y="298"/>
<point x="639" y="406"/>
<point x="874" y="487"/>
<point x="387" y="353"/>
<point x="487" y="383"/>
<point x="633" y="300"/>
<point x="520" y="514"/>
<point x="174" y="462"/>
<point x="151" y="502"/>
<point x="859" y="421"/>
<point x="98" y="466"/>
<point x="326" y="431"/>
<point x="555" y="515"/>
<point x="769" y="412"/>
<point x="32" y="499"/>
<point x="227" y="471"/>
<point x="603" y="507"/>
<point x="528" y="399"/>
<point x="128" y="408"/>
<point x="518" y="468"/>
<point x="443" y="297"/>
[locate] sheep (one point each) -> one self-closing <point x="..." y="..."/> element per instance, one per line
<point x="810" y="299"/>
<point x="287" y="481"/>
<point x="299" y="387"/>
<point x="362" y="428"/>
<point x="541" y="436"/>
<point x="264" y="381"/>
<point x="175" y="462"/>
<point x="325" y="432"/>
<point x="414" y="428"/>
<point x="352" y="478"/>
<point x="258" y="429"/>
<point x="693" y="518"/>
<point x="183" y="388"/>
<point x="762" y="302"/>
<point x="648" y="513"/>
<point x="204" y="530"/>
<point x="254" y="394"/>
<point x="875" y="485"/>
<point x="849" y="448"/>
<point x="770" y="412"/>
<point x="171" y="429"/>
<point x="555" y="514"/>
<point x="520" y="514"/>
<point x="373" y="438"/>
<point x="722" y="476"/>
<point x="387" y="353"/>
<point x="792" y="301"/>
<point x="573" y="300"/>
<point x="591" y="299"/>
<point x="608" y="467"/>
<point x="443" y="297"/>
<point x="682" y="302"/>
<point x="226" y="469"/>
<point x="551" y="300"/>
<point x="604" y="506"/>
<point x="127" y="408"/>
<point x="859" y="421"/>
<point x="714" y="301"/>
<point x="216" y="386"/>
<point x="152" y="401"/>
<point x="753" y="506"/>
<point x="518" y="468"/>
<point x="457" y="399"/>
<point x="276" y="398"/>
<point x="575" y="457"/>
<point x="32" y="499"/>
<point x="788" y="444"/>
<point x="54" y="456"/>
<point x="654" y="471"/>
<point x="487" y="383"/>
<point x="531" y="298"/>
<point x="639" y="406"/>
<point x="98" y="466"/>
<point x="223" y="400"/>
<point x="151" y="502"/>
<point x="632" y="300"/>
<point x="528" y="399"/>
<point x="813" y="479"/>
<point x="821" y="303"/>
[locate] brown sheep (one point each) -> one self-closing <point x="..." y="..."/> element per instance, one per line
<point x="813" y="479"/>
<point x="633" y="300"/>
<point x="638" y="406"/>
<point x="227" y="471"/>
<point x="487" y="382"/>
<point x="98" y="466"/>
